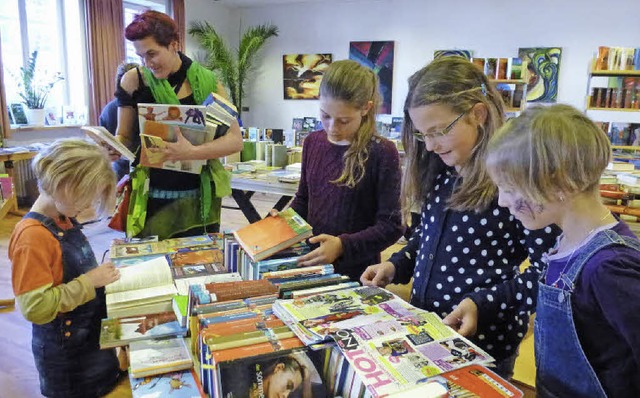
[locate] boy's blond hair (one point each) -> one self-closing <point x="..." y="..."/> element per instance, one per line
<point x="549" y="151"/>
<point x="356" y="85"/>
<point x="78" y="169"/>
<point x="459" y="84"/>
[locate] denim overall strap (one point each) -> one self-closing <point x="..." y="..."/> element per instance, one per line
<point x="66" y="350"/>
<point x="563" y="369"/>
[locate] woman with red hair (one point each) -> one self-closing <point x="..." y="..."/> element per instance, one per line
<point x="170" y="77"/>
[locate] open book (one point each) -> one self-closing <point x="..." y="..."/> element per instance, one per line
<point x="272" y="234"/>
<point x="141" y="288"/>
<point x="103" y="137"/>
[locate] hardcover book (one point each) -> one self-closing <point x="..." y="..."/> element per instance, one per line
<point x="273" y="234"/>
<point x="154" y="357"/>
<point x="182" y="384"/>
<point x="117" y="332"/>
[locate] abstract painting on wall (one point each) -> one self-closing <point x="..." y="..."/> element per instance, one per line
<point x="302" y="74"/>
<point x="543" y="67"/>
<point x="466" y="54"/>
<point x="377" y="55"/>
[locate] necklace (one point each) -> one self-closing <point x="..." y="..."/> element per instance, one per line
<point x="579" y="244"/>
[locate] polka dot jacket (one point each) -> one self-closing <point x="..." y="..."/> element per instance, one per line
<point x="456" y="254"/>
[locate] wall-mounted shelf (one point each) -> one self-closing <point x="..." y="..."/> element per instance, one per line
<point x="614" y="115"/>
<point x="626" y="147"/>
<point x="615" y="73"/>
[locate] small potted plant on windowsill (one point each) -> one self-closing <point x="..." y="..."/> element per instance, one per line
<point x="35" y="89"/>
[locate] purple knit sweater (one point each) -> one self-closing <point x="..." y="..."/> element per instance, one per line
<point x="367" y="217"/>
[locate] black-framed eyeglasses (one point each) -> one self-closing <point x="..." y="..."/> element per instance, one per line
<point x="437" y="134"/>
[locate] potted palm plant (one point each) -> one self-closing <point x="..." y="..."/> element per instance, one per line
<point x="233" y="67"/>
<point x="35" y="89"/>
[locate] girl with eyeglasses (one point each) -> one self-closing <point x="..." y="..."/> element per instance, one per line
<point x="465" y="255"/>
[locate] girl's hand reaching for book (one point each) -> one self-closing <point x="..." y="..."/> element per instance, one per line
<point x="179" y="150"/>
<point x="464" y="319"/>
<point x="379" y="274"/>
<point x="330" y="249"/>
<point x="103" y="275"/>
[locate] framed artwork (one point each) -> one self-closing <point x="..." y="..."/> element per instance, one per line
<point x="302" y="74"/>
<point x="19" y="117"/>
<point x="466" y="54"/>
<point x="377" y="55"/>
<point x="543" y="68"/>
<point x="51" y="117"/>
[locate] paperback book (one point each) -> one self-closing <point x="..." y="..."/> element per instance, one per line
<point x="273" y="234"/>
<point x="117" y="332"/>
<point x="103" y="137"/>
<point x="182" y="384"/>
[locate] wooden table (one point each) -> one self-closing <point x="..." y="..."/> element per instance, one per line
<point x="11" y="205"/>
<point x="242" y="189"/>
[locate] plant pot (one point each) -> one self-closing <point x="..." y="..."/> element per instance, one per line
<point x="35" y="117"/>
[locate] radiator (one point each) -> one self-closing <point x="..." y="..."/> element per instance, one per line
<point x="24" y="181"/>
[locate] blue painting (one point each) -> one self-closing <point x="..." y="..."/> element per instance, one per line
<point x="377" y="55"/>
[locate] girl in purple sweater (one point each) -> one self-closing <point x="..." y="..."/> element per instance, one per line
<point x="547" y="165"/>
<point x="350" y="185"/>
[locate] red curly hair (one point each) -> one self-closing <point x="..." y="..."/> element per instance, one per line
<point x="160" y="26"/>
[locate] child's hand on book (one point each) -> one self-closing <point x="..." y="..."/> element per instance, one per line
<point x="379" y="274"/>
<point x="330" y="249"/>
<point x="103" y="275"/>
<point x="464" y="318"/>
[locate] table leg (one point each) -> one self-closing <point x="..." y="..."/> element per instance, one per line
<point x="243" y="199"/>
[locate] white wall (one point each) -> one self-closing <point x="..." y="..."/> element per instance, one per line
<point x="491" y="28"/>
<point x="225" y="20"/>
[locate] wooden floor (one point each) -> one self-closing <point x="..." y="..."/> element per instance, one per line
<point x="18" y="376"/>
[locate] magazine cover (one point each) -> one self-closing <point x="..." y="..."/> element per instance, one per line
<point x="405" y="352"/>
<point x="282" y="374"/>
<point x="183" y="384"/>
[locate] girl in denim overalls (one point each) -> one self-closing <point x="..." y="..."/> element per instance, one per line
<point x="547" y="165"/>
<point x="58" y="284"/>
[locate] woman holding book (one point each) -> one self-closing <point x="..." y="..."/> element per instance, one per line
<point x="178" y="204"/>
<point x="58" y="284"/>
<point x="350" y="184"/>
<point x="586" y="326"/>
<point x="467" y="251"/>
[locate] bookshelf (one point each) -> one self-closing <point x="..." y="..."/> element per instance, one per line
<point x="517" y="91"/>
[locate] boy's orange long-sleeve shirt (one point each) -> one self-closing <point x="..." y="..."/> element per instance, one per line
<point x="37" y="273"/>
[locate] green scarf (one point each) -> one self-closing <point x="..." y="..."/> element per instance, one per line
<point x="203" y="82"/>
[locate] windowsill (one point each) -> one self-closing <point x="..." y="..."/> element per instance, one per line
<point x="22" y="135"/>
<point x="31" y="127"/>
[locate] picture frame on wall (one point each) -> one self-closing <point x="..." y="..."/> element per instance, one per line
<point x="19" y="117"/>
<point x="302" y="74"/>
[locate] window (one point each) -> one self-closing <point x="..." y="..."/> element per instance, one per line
<point x="55" y="29"/>
<point x="133" y="7"/>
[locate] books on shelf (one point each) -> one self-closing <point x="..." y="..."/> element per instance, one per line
<point x="157" y="356"/>
<point x="272" y="234"/>
<point x="103" y="137"/>
<point x="620" y="166"/>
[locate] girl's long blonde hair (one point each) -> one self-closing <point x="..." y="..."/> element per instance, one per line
<point x="549" y="151"/>
<point x="356" y="85"/>
<point x="78" y="169"/>
<point x="455" y="82"/>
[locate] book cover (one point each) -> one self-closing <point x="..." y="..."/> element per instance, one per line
<point x="273" y="234"/>
<point x="190" y="242"/>
<point x="102" y="136"/>
<point x="285" y="373"/>
<point x="182" y="384"/>
<point x="179" y="304"/>
<point x="195" y="257"/>
<point x="137" y="249"/>
<point x="116" y="332"/>
<point x="154" y="357"/>
<point x="478" y="381"/>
